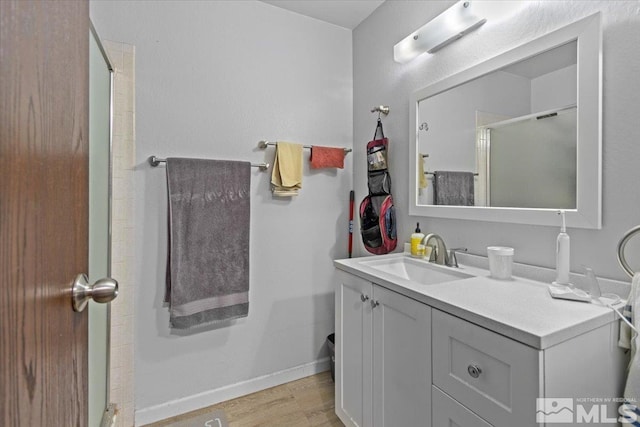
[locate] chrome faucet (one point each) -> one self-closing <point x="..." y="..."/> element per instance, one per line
<point x="453" y="261"/>
<point x="439" y="253"/>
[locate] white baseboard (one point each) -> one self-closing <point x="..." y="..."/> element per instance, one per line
<point x="211" y="397"/>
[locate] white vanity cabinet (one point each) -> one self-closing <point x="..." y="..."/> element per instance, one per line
<point x="494" y="376"/>
<point x="485" y="378"/>
<point x="448" y="412"/>
<point x="406" y="363"/>
<point x="383" y="356"/>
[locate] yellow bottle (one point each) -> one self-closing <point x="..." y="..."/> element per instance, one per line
<point x="416" y="240"/>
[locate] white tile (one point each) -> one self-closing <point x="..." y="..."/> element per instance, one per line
<point x="133" y="120"/>
<point x="128" y="48"/>
<point x="127" y="155"/>
<point x="120" y="101"/>
<point x="122" y="386"/>
<point x="116" y="378"/>
<point x="127" y="416"/>
<point x="116" y="359"/>
<point x="128" y="123"/>
<point x="114" y="50"/>
<point x="120" y="124"/>
<point x="127" y="351"/>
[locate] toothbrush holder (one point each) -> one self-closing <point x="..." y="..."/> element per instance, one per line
<point x="500" y="261"/>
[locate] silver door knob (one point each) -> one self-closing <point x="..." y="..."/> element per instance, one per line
<point x="364" y="297"/>
<point x="374" y="303"/>
<point x="103" y="291"/>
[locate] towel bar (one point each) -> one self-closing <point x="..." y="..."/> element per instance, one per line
<point x="263" y="144"/>
<point x="155" y="161"/>
<point x="433" y="173"/>
<point x="621" y="245"/>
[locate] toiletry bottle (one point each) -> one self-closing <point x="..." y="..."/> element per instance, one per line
<point x="593" y="284"/>
<point x="562" y="254"/>
<point x="416" y="239"/>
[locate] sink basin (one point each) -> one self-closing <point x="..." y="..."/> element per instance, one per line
<point x="418" y="271"/>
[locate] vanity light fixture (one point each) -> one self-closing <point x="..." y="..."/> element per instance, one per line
<point x="452" y="24"/>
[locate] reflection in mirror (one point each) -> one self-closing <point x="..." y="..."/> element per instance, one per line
<point x="512" y="132"/>
<point x="530" y="162"/>
<point x="515" y="138"/>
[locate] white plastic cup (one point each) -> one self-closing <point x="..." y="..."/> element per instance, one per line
<point x="500" y="261"/>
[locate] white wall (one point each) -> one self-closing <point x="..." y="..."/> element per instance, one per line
<point x="212" y="79"/>
<point x="379" y="80"/>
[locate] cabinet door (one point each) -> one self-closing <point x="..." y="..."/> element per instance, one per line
<point x="401" y="361"/>
<point x="353" y="350"/>
<point x="492" y="375"/>
<point x="448" y="412"/>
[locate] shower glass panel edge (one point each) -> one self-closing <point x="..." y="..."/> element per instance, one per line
<point x="100" y="166"/>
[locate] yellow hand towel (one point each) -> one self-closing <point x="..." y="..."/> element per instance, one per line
<point x="286" y="177"/>
<point x="422" y="178"/>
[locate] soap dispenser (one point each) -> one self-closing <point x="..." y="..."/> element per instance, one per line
<point x="416" y="241"/>
<point x="562" y="254"/>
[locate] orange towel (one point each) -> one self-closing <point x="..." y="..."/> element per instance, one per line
<point x="326" y="157"/>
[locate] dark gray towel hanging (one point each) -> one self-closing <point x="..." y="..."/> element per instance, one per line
<point x="208" y="259"/>
<point x="453" y="188"/>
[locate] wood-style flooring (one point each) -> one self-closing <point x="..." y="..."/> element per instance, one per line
<point x="308" y="402"/>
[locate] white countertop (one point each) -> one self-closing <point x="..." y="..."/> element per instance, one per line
<point x="521" y="309"/>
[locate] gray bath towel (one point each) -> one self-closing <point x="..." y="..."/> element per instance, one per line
<point x="208" y="257"/>
<point x="453" y="188"/>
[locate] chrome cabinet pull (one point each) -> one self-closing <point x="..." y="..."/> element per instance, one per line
<point x="474" y="371"/>
<point x="374" y="304"/>
<point x="103" y="291"/>
<point x="364" y="297"/>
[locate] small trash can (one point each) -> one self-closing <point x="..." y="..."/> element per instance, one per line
<point x="331" y="343"/>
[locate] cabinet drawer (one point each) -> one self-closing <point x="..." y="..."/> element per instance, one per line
<point x="448" y="412"/>
<point x="494" y="376"/>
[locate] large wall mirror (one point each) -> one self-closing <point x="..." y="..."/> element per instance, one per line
<point x="516" y="138"/>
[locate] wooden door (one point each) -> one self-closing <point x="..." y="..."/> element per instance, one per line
<point x="43" y="211"/>
<point x="401" y="360"/>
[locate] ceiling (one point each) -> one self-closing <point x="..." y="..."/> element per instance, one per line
<point x="344" y="13"/>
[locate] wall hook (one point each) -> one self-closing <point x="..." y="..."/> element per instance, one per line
<point x="384" y="109"/>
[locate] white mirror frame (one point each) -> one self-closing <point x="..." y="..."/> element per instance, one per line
<point x="588" y="212"/>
